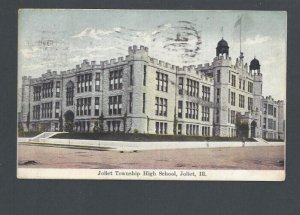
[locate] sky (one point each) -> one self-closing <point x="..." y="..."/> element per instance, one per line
<point x="59" y="39"/>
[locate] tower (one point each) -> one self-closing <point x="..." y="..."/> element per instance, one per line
<point x="257" y="92"/>
<point x="222" y="48"/>
<point x="221" y="71"/>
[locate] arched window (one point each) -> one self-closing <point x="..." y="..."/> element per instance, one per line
<point x="70" y="93"/>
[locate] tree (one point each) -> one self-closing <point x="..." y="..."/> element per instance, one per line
<point x="101" y="123"/>
<point x="124" y="121"/>
<point x="28" y="120"/>
<point x="241" y="127"/>
<point x="20" y="129"/>
<point x="61" y="128"/>
<point x="175" y="124"/>
<point x="69" y="125"/>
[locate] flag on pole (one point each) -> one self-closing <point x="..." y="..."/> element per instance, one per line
<point x="238" y="22"/>
<point x="222" y="31"/>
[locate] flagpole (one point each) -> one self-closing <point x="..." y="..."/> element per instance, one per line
<point x="240" y="35"/>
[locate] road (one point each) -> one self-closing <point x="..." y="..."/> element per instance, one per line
<point x="255" y="158"/>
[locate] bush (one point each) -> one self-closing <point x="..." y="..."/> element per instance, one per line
<point x="136" y="137"/>
<point x="135" y="131"/>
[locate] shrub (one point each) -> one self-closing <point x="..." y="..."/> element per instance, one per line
<point x="135" y="131"/>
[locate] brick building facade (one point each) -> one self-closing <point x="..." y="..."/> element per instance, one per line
<point x="141" y="93"/>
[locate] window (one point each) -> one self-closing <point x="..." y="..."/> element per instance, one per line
<point x="217" y="115"/>
<point x="89" y="104"/>
<point x="84" y="83"/>
<point x="85" y="101"/>
<point x="270" y="124"/>
<point x="131" y="75"/>
<point x="58" y="89"/>
<point x="229" y="94"/>
<point x="37" y="93"/>
<point x="161" y="127"/>
<point x="161" y="105"/>
<point x="218" y="95"/>
<point x="115" y="105"/>
<point x="218" y="76"/>
<point x="162" y="82"/>
<point x="205" y="113"/>
<point x="229" y="77"/>
<point x="70" y="93"/>
<point x="47" y="90"/>
<point x="36" y="112"/>
<point x="115" y="80"/>
<point x="157" y="127"/>
<point x="233" y="117"/>
<point x="250" y="104"/>
<point x="97" y="82"/>
<point x="145" y="75"/>
<point x="205" y="131"/>
<point x="192" y="110"/>
<point x="241" y="101"/>
<point x="179" y="130"/>
<point x="78" y="84"/>
<point x="56" y="126"/>
<point x="275" y="112"/>
<point x="265" y="108"/>
<point x="83" y="106"/>
<point x="228" y="115"/>
<point x="265" y="123"/>
<point x="180" y="86"/>
<point x="113" y="126"/>
<point x="192" y="88"/>
<point x="165" y="107"/>
<point x="270" y="110"/>
<point x="165" y="128"/>
<point x="130" y="102"/>
<point x="250" y="87"/>
<point x="144" y="102"/>
<point x="57" y="109"/>
<point x="192" y="129"/>
<point x="97" y="106"/>
<point x="89" y="81"/>
<point x="232" y="98"/>
<point x="180" y="109"/>
<point x="244" y="84"/>
<point x="233" y="80"/>
<point x="47" y="110"/>
<point x="205" y="93"/>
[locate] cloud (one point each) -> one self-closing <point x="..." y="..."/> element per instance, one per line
<point x="29" y="53"/>
<point x="97" y="33"/>
<point x="258" y="39"/>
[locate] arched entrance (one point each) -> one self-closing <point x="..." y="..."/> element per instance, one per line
<point x="253" y="126"/>
<point x="69" y="121"/>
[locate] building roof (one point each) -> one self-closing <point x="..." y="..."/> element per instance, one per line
<point x="254" y="64"/>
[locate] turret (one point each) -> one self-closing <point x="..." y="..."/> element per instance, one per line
<point x="255" y="66"/>
<point x="222" y="48"/>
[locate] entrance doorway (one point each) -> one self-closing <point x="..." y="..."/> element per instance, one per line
<point x="253" y="127"/>
<point x="69" y="121"/>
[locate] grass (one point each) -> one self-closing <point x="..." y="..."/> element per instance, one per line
<point x="141" y="137"/>
<point x="29" y="134"/>
<point x="273" y="140"/>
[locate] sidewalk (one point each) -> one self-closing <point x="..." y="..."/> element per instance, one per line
<point x="132" y="146"/>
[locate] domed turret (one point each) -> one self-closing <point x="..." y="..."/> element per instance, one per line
<point x="222" y="48"/>
<point x="254" y="64"/>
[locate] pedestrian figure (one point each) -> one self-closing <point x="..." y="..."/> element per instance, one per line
<point x="243" y="140"/>
<point x="207" y="142"/>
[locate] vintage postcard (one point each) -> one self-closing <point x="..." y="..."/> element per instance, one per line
<point x="151" y="94"/>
